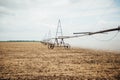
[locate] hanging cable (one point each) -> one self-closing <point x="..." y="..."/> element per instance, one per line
<point x="113" y="37"/>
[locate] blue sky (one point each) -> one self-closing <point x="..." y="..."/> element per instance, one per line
<point x="32" y="19"/>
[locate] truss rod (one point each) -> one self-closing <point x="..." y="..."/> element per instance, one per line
<point x="81" y="34"/>
<point x="97" y="32"/>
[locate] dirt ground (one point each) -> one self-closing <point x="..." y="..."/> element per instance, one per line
<point x="33" y="61"/>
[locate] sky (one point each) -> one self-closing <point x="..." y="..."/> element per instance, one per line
<point x="33" y="19"/>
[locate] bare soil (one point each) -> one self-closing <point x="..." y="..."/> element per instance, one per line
<point x="33" y="61"/>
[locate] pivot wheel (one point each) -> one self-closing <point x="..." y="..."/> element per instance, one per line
<point x="67" y="46"/>
<point x="50" y="46"/>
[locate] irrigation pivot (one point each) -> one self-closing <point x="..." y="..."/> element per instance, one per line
<point x="59" y="38"/>
<point x="58" y="42"/>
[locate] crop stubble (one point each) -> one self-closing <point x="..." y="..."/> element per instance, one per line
<point x="32" y="60"/>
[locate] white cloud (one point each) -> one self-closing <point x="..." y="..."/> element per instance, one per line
<point x="92" y="4"/>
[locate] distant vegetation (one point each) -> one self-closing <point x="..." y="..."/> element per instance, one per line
<point x="20" y="41"/>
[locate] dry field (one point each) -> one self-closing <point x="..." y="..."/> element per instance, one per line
<point x="33" y="61"/>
